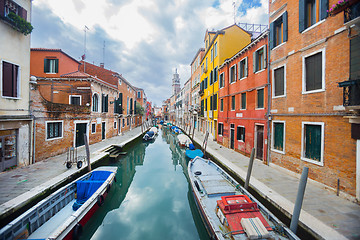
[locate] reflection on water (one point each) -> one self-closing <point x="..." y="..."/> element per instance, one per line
<point x="151" y="199"/>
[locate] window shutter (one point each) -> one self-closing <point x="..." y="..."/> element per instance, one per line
<point x="301" y="15"/>
<point x="255" y="62"/>
<point x="46" y="65"/>
<point x="272" y="35"/>
<point x="285" y="26"/>
<point x="106" y="103"/>
<point x="15" y="80"/>
<point x="121" y="103"/>
<point x="324" y="6"/>
<point x="235" y="72"/>
<point x="6" y="79"/>
<point x="216" y="74"/>
<point x="244" y="134"/>
<point x="246" y="67"/>
<point x="22" y="13"/>
<point x="134" y="106"/>
<point x="265" y="56"/>
<point x="56" y="65"/>
<point x="215" y="102"/>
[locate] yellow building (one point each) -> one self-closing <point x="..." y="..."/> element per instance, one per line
<point x="219" y="46"/>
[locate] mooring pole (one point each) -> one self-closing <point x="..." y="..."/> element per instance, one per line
<point x="299" y="200"/>
<point x="87" y="152"/>
<point x="251" y="162"/>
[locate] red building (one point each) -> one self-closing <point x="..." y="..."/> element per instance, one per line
<point x="243" y="98"/>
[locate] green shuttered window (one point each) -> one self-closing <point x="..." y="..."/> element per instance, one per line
<point x="312" y="142"/>
<point x="278" y="136"/>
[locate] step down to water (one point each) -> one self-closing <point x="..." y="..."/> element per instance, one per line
<point x="117" y="154"/>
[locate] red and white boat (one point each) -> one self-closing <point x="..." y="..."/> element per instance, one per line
<point x="63" y="213"/>
<point x="227" y="209"/>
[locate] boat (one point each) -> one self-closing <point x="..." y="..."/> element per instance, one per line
<point x="63" y="213"/>
<point x="150" y="135"/>
<point x="154" y="129"/>
<point x="194" y="153"/>
<point x="184" y="140"/>
<point x="227" y="209"/>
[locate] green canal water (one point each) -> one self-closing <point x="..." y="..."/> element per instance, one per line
<point x="151" y="199"/>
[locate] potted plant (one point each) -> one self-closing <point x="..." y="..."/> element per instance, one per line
<point x="20" y="24"/>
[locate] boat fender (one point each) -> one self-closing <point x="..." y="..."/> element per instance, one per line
<point x="100" y="200"/>
<point x="197" y="185"/>
<point x="77" y="231"/>
<point x="108" y="188"/>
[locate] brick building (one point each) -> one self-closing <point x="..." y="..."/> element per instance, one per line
<point x="243" y="89"/>
<point x="311" y="52"/>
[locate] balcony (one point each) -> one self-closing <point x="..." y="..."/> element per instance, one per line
<point x="351" y="94"/>
<point x="352" y="13"/>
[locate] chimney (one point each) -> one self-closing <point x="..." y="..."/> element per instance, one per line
<point x="102" y="65"/>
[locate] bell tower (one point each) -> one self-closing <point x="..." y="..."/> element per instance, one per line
<point x="175" y="83"/>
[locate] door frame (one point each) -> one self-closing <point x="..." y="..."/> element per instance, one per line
<point x="87" y="129"/>
<point x="230" y="136"/>
<point x="255" y="139"/>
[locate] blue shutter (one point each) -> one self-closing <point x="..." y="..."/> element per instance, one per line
<point x="271" y="35"/>
<point x="301" y="15"/>
<point x="285" y="26"/>
<point x="324" y="6"/>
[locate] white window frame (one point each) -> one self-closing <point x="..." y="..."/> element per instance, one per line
<point x="235" y="74"/>
<point x="92" y="128"/>
<point x="46" y="130"/>
<point x="323" y="69"/>
<point x="246" y="68"/>
<point x="237" y="135"/>
<point x="222" y="129"/>
<point x="322" y="124"/>
<point x="223" y="74"/>
<point x="99" y="99"/>
<point x="273" y="136"/>
<point x="18" y="79"/>
<point x="273" y="81"/>
<point x="215" y="50"/>
<point x="79" y="96"/>
<point x="115" y="124"/>
<point x="279" y="15"/>
<point x="265" y="60"/>
<point x="221" y="106"/>
<point x="52" y="67"/>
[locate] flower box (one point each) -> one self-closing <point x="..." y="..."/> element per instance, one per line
<point x="340" y="6"/>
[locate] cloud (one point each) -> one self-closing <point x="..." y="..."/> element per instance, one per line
<point x="144" y="40"/>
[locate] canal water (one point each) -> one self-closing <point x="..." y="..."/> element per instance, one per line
<point x="151" y="199"/>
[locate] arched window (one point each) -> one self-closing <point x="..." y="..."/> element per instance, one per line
<point x="95" y="102"/>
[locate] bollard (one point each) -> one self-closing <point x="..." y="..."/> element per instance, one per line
<point x="299" y="200"/>
<point x="251" y="162"/>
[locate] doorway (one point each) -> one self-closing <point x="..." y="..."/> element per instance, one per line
<point x="259" y="141"/>
<point x="103" y="130"/>
<point x="80" y="131"/>
<point x="232" y="135"/>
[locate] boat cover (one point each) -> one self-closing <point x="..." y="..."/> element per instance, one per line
<point x="191" y="146"/>
<point x="85" y="189"/>
<point x="150" y="133"/>
<point x="194" y="153"/>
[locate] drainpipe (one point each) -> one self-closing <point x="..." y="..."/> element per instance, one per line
<point x="268" y="120"/>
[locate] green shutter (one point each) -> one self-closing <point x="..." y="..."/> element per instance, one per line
<point x="56" y="65"/>
<point x="285" y="26"/>
<point x="272" y="35"/>
<point x="265" y="56"/>
<point x="261" y="98"/>
<point x="313" y="142"/>
<point x="46" y="65"/>
<point x="324" y="6"/>
<point x="302" y="15"/>
<point x="279" y="136"/>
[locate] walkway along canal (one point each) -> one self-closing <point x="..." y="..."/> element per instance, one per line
<point x="151" y="199"/>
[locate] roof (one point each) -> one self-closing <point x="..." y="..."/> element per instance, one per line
<point x="198" y="52"/>
<point x="54" y="50"/>
<point x="76" y="74"/>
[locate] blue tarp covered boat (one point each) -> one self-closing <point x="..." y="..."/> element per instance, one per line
<point x="194" y="153"/>
<point x="150" y="135"/>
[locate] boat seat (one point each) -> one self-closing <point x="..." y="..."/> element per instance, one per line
<point x="254" y="228"/>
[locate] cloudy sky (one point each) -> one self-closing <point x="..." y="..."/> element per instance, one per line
<point x="145" y="40"/>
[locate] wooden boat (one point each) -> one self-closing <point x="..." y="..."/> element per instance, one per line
<point x="184" y="140"/>
<point x="227" y="209"/>
<point x="154" y="129"/>
<point x="194" y="153"/>
<point x="150" y="135"/>
<point x="62" y="214"/>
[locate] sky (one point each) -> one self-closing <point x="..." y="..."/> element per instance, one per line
<point x="144" y="40"/>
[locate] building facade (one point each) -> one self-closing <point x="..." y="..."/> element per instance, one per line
<point x="16" y="128"/>
<point x="311" y="52"/>
<point x="243" y="89"/>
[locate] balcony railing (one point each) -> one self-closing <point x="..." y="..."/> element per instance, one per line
<point x="352" y="12"/>
<point x="351" y="93"/>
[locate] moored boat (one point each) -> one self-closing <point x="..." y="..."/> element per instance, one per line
<point x="194" y="153"/>
<point x="154" y="129"/>
<point x="150" y="135"/>
<point x="184" y="140"/>
<point x="62" y="214"/>
<point x="227" y="209"/>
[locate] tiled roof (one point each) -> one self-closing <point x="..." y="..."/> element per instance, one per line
<point x="76" y="74"/>
<point x="100" y="72"/>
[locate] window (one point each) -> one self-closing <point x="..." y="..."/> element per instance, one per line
<point x="278" y="140"/>
<point x="139" y="94"/>
<point x="221" y="105"/>
<point x="127" y="121"/>
<point x="241" y="133"/>
<point x="206" y="104"/>
<point x="202" y="108"/>
<point x="259" y="59"/>
<point x="314" y="72"/>
<point x="215" y="102"/>
<point x="75" y="100"/>
<point x="260" y="98"/>
<point x="211" y="102"/>
<point x="278" y="31"/>
<point x="311" y="12"/>
<point x="312" y="142"/>
<point x="243" y="101"/>
<point x="51" y="65"/>
<point x="93" y="128"/>
<point x="211" y="77"/>
<point x="232" y="74"/>
<point x="220" y="129"/>
<point x="123" y="122"/>
<point x="95" y="103"/>
<point x="115" y="126"/>
<point x="243" y="71"/>
<point x="205" y="83"/>
<point x="212" y="54"/>
<point x="104" y="102"/>
<point x="54" y="130"/>
<point x="215" y="50"/>
<point x="232" y="103"/>
<point x="221" y="81"/>
<point x="10" y="79"/>
<point x="11" y="6"/>
<point x="279" y="82"/>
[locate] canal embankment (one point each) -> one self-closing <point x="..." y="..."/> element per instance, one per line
<point x="324" y="215"/>
<point x="21" y="187"/>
